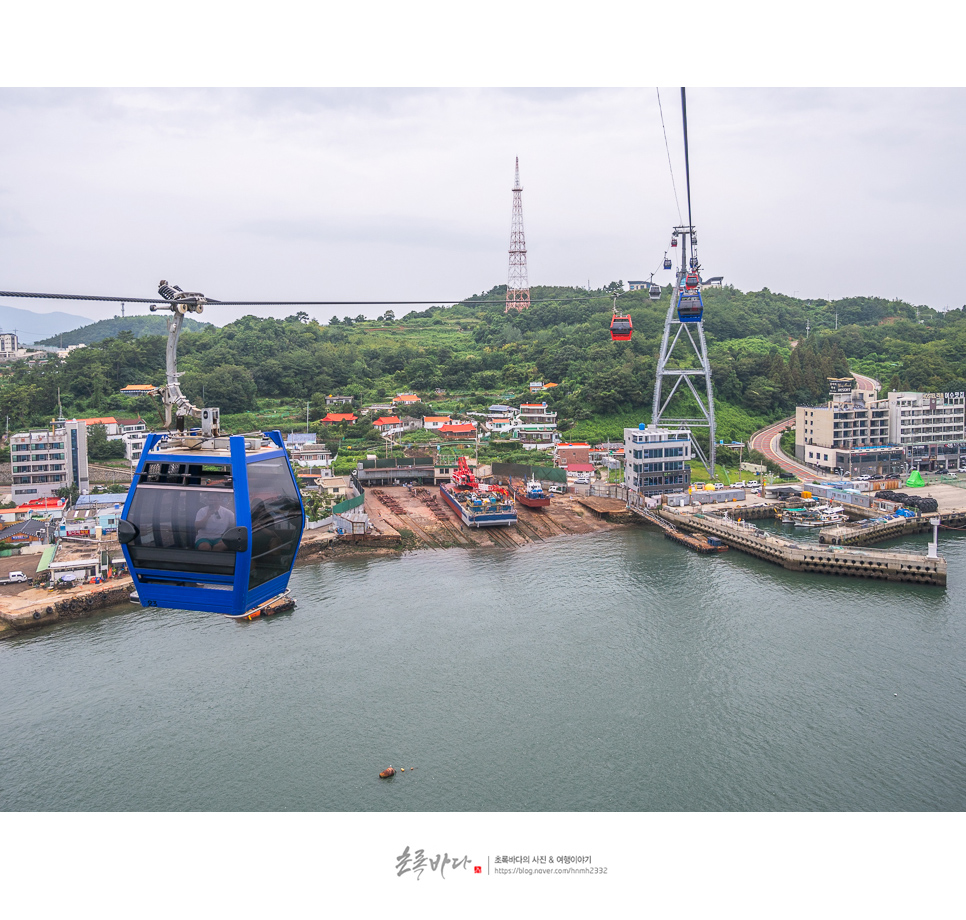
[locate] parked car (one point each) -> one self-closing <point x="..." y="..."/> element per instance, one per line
<point x="17" y="576"/>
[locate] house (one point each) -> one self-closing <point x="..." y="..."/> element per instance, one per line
<point x="565" y="454"/>
<point x="109" y="423"/>
<point x="536" y="386"/>
<point x="638" y="285"/>
<point x="139" y="389"/>
<point x="304" y="450"/>
<point x="333" y="418"/>
<point x="133" y="432"/>
<point x="405" y="399"/>
<point x="499" y="424"/>
<point x="581" y="471"/>
<point x="388" y="425"/>
<point x="536" y="426"/>
<point x="51" y="508"/>
<point x="331" y="400"/>
<point x="338" y="487"/>
<point x="462" y="430"/>
<point x="502" y="411"/>
<point x="537" y="414"/>
<point x="26" y="533"/>
<point x="432" y="422"/>
<point x="104" y="509"/>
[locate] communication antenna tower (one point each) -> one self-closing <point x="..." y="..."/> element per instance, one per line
<point x="686" y="319"/>
<point x="518" y="287"/>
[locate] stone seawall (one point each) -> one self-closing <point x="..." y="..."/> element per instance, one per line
<point x="40" y="608"/>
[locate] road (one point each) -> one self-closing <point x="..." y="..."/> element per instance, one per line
<point x="766" y="441"/>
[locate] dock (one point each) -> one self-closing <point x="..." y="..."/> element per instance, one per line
<point x="810" y="557"/>
<point x="858" y="533"/>
<point x="700" y="544"/>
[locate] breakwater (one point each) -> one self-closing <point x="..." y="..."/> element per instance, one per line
<point x="827" y="560"/>
<point x="875" y="531"/>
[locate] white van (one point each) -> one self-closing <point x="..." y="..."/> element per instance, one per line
<point x="17" y="576"/>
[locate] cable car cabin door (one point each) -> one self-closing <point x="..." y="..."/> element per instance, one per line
<point x="189" y="534"/>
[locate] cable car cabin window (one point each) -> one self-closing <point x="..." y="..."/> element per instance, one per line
<point x="276" y="520"/>
<point x="179" y="528"/>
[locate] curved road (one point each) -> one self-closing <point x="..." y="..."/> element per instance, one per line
<point x="766" y="440"/>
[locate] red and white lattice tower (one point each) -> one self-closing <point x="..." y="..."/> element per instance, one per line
<point x="518" y="287"/>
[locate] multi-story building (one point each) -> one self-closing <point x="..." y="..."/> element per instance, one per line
<point x="856" y="434"/>
<point x="931" y="427"/>
<point x="536" y="426"/>
<point x="44" y="460"/>
<point x="656" y="460"/>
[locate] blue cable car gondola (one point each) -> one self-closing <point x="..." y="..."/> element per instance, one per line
<point x="690" y="306"/>
<point x="667" y="261"/>
<point x="212" y="524"/>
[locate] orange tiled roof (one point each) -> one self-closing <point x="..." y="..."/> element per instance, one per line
<point x="340" y="417"/>
<point x="387" y="420"/>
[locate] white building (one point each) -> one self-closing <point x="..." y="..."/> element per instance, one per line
<point x="656" y="460"/>
<point x="931" y="427"/>
<point x="857" y="434"/>
<point x="44" y="460"/>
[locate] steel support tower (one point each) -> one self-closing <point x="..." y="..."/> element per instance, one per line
<point x="517" y="287"/>
<point x="693" y="351"/>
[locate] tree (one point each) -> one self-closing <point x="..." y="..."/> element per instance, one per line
<point x="69" y="493"/>
<point x="98" y="446"/>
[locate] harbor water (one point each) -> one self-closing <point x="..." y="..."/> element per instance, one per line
<point x="617" y="672"/>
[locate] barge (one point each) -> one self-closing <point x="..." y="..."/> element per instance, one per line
<point x="478" y="505"/>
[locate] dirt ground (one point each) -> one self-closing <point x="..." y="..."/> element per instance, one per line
<point x="422" y="518"/>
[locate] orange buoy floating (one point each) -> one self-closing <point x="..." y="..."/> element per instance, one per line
<point x="391" y="771"/>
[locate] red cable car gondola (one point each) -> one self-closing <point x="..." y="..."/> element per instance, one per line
<point x="691" y="280"/>
<point x="621" y="328"/>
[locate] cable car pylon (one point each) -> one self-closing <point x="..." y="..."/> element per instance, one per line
<point x="685" y="315"/>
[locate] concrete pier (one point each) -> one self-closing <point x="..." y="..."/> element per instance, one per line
<point x="809" y="557"/>
<point x="860" y="533"/>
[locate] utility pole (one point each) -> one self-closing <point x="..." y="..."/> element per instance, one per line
<point x="307" y="417"/>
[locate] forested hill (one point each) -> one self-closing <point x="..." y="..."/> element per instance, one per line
<point x="109" y="328"/>
<point x="763" y="361"/>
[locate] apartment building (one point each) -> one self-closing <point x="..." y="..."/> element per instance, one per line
<point x="44" y="460"/>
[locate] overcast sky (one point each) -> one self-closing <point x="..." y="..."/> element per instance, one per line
<point x="378" y="194"/>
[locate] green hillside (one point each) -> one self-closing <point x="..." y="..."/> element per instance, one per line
<point x="109" y="328"/>
<point x="265" y="371"/>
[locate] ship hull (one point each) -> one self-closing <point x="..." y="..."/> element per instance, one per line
<point x="532" y="502"/>
<point x="478" y="519"/>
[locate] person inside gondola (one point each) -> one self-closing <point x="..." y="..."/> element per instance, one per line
<point x="211" y="522"/>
